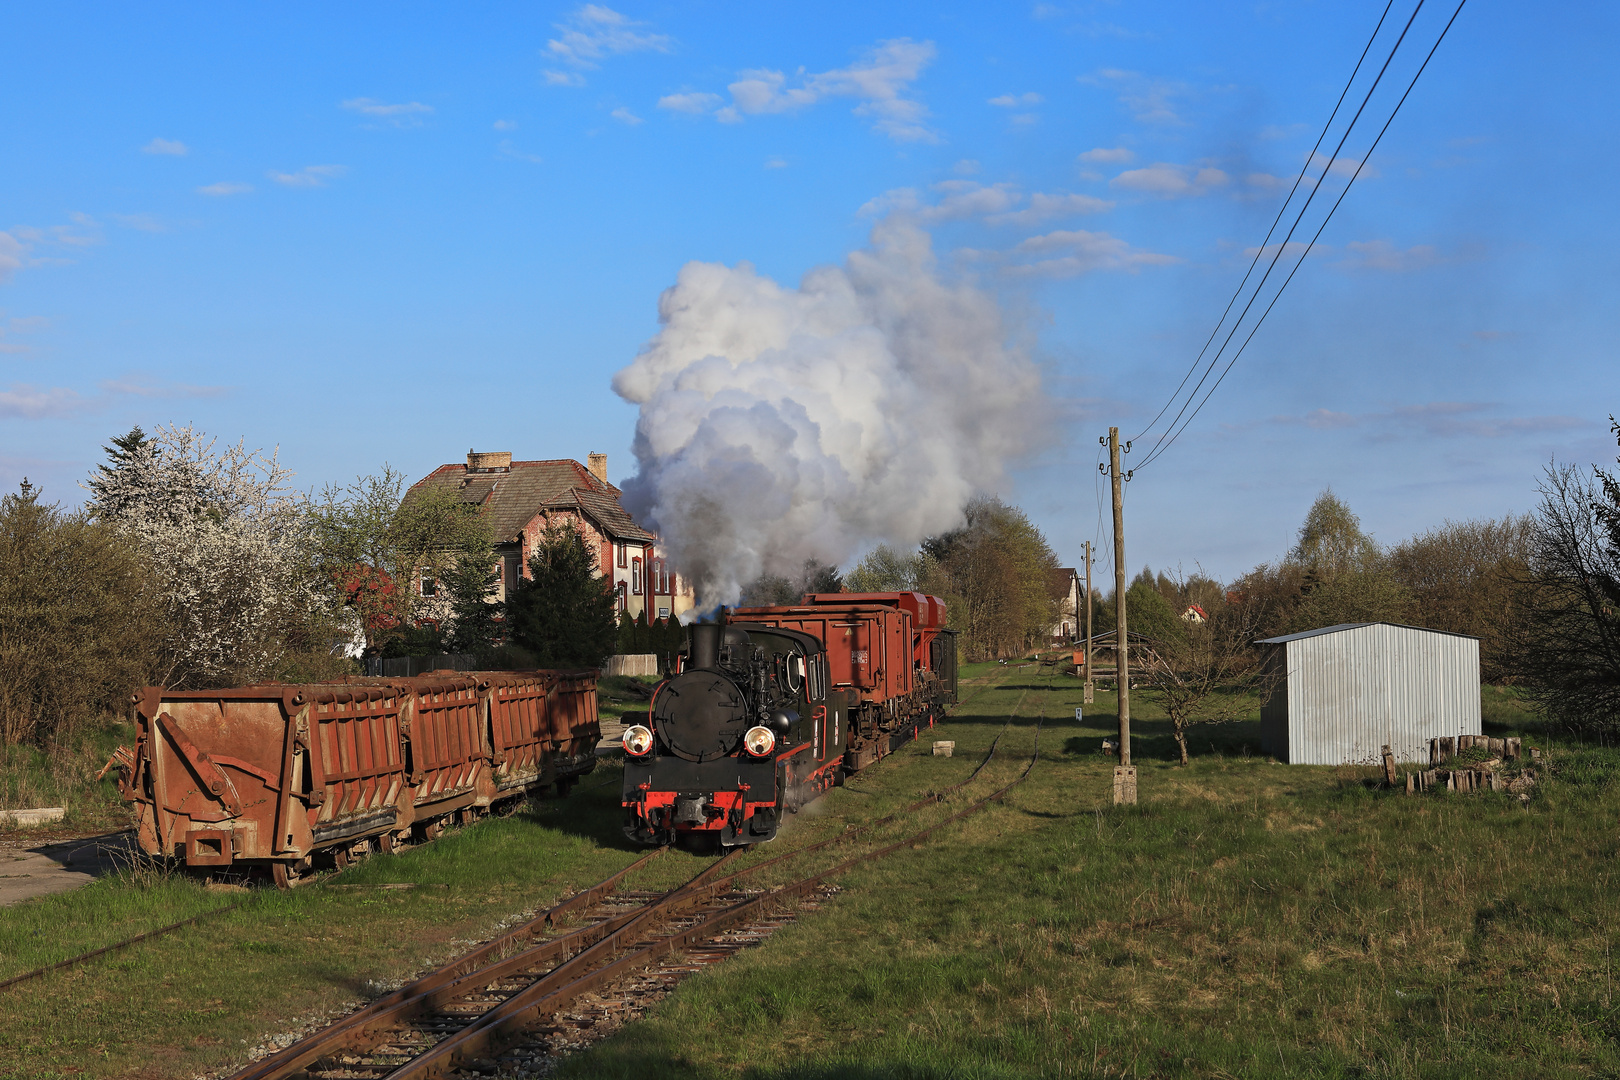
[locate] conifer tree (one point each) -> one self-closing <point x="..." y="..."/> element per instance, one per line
<point x="563" y="613"/>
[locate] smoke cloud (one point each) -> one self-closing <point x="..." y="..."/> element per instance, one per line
<point x="778" y="424"/>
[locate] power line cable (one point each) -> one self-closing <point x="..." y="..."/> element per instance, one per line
<point x="1282" y="247"/>
<point x="1303" y="169"/>
<point x="1301" y="261"/>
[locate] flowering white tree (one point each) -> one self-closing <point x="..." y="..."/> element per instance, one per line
<point x="230" y="542"/>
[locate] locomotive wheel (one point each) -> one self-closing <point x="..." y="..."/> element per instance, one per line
<point x="385" y="842"/>
<point x="340" y="858"/>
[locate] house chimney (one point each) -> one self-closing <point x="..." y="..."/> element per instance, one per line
<point x="489" y="460"/>
<point x="598" y="465"/>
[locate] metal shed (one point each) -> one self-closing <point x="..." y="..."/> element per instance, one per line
<point x="1353" y="687"/>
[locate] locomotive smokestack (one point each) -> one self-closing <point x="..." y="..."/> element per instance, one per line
<point x="705" y="644"/>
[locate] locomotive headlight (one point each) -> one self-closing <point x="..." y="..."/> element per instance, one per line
<point x="759" y="741"/>
<point x="637" y="740"/>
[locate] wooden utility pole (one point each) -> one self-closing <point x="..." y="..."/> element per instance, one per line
<point x="1089" y="691"/>
<point x="1125" y="772"/>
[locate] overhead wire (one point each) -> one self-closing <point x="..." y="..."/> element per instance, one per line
<point x="1282" y="247"/>
<point x="1303" y="170"/>
<point x="1160" y="449"/>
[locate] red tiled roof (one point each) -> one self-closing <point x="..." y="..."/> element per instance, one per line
<point x="513" y="497"/>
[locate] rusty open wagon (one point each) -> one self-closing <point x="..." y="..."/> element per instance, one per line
<point x="283" y="778"/>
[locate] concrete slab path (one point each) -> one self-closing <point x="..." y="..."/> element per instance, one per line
<point x="28" y="871"/>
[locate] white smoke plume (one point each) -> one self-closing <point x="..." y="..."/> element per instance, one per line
<point x="779" y="425"/>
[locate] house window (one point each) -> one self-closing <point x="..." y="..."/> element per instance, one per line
<point x="430" y="585"/>
<point x="621" y="550"/>
<point x="619" y="590"/>
<point x="635" y="576"/>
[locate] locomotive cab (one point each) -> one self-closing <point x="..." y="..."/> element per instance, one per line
<point x="733" y="739"/>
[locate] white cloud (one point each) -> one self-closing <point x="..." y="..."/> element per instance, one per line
<point x="140" y="385"/>
<point x="1117" y="155"/>
<point x="505" y="125"/>
<point x="1344" y="167"/>
<point x="309" y="175"/>
<point x="776" y="163"/>
<point x="1043" y="207"/>
<point x="24" y="401"/>
<point x="1170" y="181"/>
<point x="1070" y="253"/>
<point x="225" y="187"/>
<point x="140" y="222"/>
<point x="1382" y="255"/>
<point x="625" y="116"/>
<point x="690" y="102"/>
<point x="173" y="147"/>
<point x="995" y="204"/>
<point x="1014" y="101"/>
<point x="406" y="114"/>
<point x="965" y="167"/>
<point x="507" y="150"/>
<point x="12" y="255"/>
<point x="29" y="324"/>
<point x="1023" y="119"/>
<point x="1150" y="101"/>
<point x="1291" y="250"/>
<point x="880" y="82"/>
<point x="1444" y="419"/>
<point x="592" y="34"/>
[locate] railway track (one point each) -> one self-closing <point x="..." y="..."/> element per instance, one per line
<point x="510" y="1006"/>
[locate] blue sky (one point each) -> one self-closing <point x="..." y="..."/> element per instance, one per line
<point x="391" y="232"/>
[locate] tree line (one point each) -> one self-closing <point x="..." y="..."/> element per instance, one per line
<point x="196" y="565"/>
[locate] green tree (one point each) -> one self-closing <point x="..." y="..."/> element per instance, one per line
<point x="375" y="546"/>
<point x="563" y="613"/>
<point x="107" y="496"/>
<point x="1468" y="578"/>
<point x="993" y="575"/>
<point x="887" y="569"/>
<point x="81" y="620"/>
<point x="772" y="590"/>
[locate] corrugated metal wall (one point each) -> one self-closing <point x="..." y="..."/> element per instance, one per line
<point x="1350" y="692"/>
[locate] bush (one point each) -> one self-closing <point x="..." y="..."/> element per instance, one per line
<point x="80" y="616"/>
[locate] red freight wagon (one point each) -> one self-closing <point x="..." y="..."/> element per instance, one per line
<point x="890" y="652"/>
<point x="281" y="777"/>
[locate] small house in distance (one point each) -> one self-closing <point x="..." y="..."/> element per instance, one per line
<point x="1352" y="688"/>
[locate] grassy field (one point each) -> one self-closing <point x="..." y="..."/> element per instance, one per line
<point x="1246" y="919"/>
<point x="66" y="777"/>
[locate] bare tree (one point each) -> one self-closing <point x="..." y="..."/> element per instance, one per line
<point x="1213" y="673"/>
<point x="1571" y="655"/>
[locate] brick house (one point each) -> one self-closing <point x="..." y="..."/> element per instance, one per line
<point x="522" y="498"/>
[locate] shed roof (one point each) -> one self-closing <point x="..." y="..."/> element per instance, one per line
<point x="513" y="496"/>
<point x="1341" y="627"/>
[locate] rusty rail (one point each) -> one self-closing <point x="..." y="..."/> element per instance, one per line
<point x="505" y="1023"/>
<point x="115" y="946"/>
<point x="581" y="948"/>
<point x="311" y="1047"/>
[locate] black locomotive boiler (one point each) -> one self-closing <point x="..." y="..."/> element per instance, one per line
<point x="760" y="718"/>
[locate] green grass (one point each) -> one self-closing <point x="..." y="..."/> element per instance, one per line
<point x="1245" y="920"/>
<point x="66" y="776"/>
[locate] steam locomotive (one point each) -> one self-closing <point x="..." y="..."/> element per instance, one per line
<point x="769" y="707"/>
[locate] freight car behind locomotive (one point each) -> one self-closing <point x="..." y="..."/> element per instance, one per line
<point x="285" y="778"/>
<point x="773" y="706"/>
